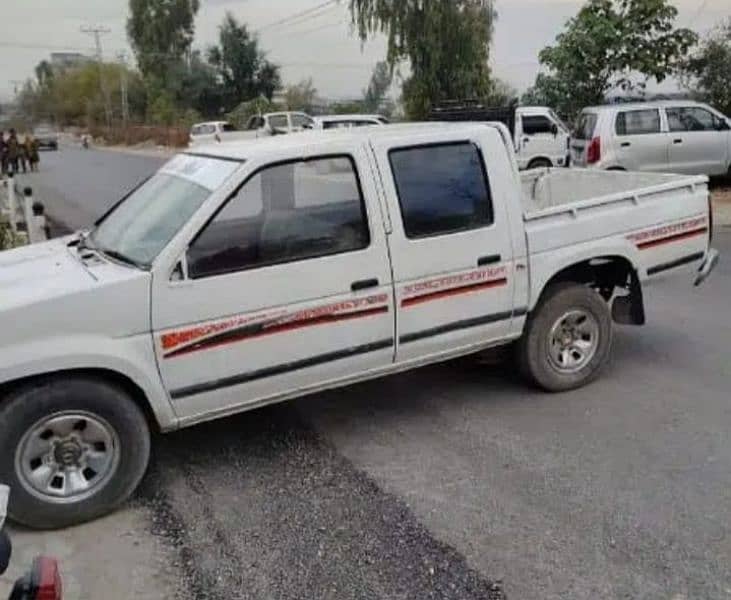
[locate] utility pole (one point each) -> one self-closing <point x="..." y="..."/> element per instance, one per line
<point x="97" y="32"/>
<point x="123" y="88"/>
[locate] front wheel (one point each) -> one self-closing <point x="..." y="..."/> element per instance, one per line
<point x="567" y="339"/>
<point x="71" y="449"/>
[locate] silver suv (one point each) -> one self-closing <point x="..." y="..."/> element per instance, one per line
<point x="673" y="137"/>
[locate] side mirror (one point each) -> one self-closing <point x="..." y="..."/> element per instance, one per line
<point x="554" y="129"/>
<point x="722" y="125"/>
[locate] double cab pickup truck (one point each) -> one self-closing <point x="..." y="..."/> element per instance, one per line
<point x="249" y="273"/>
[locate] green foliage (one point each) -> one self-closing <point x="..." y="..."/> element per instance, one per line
<point x="300" y="96"/>
<point x="240" y="65"/>
<point x="603" y="47"/>
<point x="161" y="33"/>
<point x="375" y="94"/>
<point x="446" y="42"/>
<point x="707" y="73"/>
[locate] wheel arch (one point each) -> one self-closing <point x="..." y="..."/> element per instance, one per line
<point x="540" y="159"/>
<point x="606" y="273"/>
<point x="123" y="381"/>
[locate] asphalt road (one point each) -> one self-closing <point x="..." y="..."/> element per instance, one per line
<point x="437" y="483"/>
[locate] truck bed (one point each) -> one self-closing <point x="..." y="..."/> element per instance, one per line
<point x="565" y="207"/>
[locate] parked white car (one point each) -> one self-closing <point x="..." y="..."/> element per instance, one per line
<point x="347" y="121"/>
<point x="258" y="126"/>
<point x="540" y="137"/>
<point x="255" y="272"/>
<point x="670" y="137"/>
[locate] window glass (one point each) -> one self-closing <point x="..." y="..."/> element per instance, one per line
<point x="336" y="124"/>
<point x="227" y="127"/>
<point x="691" y="118"/>
<point x="301" y="121"/>
<point x="441" y="188"/>
<point x="585" y="126"/>
<point x="196" y="130"/>
<point x="255" y="122"/>
<point x="638" y="122"/>
<point x="284" y="213"/>
<point x="278" y="122"/>
<point x="536" y="124"/>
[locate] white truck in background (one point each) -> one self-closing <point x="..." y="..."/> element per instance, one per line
<point x="266" y="125"/>
<point x="540" y="137"/>
<point x="250" y="273"/>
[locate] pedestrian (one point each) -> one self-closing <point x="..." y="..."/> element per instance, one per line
<point x="31" y="151"/>
<point x="23" y="155"/>
<point x="12" y="152"/>
<point x="38" y="228"/>
<point x="3" y="152"/>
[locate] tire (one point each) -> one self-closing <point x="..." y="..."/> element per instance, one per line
<point x="568" y="338"/>
<point x="98" y="434"/>
<point x="540" y="163"/>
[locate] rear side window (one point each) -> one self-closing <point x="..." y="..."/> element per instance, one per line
<point x="637" y="122"/>
<point x="536" y="124"/>
<point x="284" y="213"/>
<point x="441" y="188"/>
<point x="278" y="122"/>
<point x="585" y="126"/>
<point x="227" y="127"/>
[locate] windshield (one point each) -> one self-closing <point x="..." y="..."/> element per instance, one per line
<point x="559" y="120"/>
<point x="141" y="226"/>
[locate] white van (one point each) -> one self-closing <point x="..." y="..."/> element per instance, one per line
<point x="670" y="136"/>
<point x="540" y="137"/>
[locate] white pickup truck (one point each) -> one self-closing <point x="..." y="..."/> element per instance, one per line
<point x="247" y="274"/>
<point x="258" y="126"/>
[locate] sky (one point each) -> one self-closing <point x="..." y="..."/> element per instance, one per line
<point x="322" y="45"/>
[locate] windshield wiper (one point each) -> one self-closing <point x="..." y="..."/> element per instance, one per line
<point x="116" y="255"/>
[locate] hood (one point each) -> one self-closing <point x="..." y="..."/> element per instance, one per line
<point x="40" y="271"/>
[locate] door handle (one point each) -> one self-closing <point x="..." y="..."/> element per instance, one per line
<point x="678" y="141"/>
<point x="488" y="260"/>
<point x="625" y="144"/>
<point x="364" y="284"/>
<point x="526" y="140"/>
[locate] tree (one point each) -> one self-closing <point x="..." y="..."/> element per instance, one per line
<point x="161" y="33"/>
<point x="300" y="96"/>
<point x="378" y="86"/>
<point x="707" y="73"/>
<point x="446" y="42"/>
<point x="605" y="47"/>
<point x="501" y="94"/>
<point x="241" y="66"/>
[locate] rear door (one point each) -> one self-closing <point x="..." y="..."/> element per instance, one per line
<point x="696" y="145"/>
<point x="585" y="128"/>
<point x="451" y="252"/>
<point x="288" y="286"/>
<point x="639" y="142"/>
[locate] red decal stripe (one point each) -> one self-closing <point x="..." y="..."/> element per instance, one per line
<point x="291" y="326"/>
<point x="672" y="238"/>
<point x="467" y="289"/>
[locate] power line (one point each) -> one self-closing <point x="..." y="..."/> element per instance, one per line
<point x="97" y="33"/>
<point x="298" y="15"/>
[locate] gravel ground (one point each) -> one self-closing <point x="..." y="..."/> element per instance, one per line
<point x="297" y="520"/>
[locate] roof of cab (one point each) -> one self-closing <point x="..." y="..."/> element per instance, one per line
<point x="245" y="149"/>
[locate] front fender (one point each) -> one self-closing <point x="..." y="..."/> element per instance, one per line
<point x="132" y="357"/>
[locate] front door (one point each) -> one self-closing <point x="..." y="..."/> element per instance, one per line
<point x="288" y="286"/>
<point x="451" y="251"/>
<point x="695" y="144"/>
<point x="639" y="143"/>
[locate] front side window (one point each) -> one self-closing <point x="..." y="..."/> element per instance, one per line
<point x="148" y="219"/>
<point x="255" y="122"/>
<point x="442" y="188"/>
<point x="278" y="122"/>
<point x="691" y="119"/>
<point x="300" y="121"/>
<point x="638" y="122"/>
<point x="533" y="125"/>
<point x="284" y="213"/>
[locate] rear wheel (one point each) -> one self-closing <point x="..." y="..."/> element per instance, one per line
<point x="568" y="338"/>
<point x="71" y="449"/>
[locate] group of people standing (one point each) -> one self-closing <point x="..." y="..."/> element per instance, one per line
<point x="17" y="155"/>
